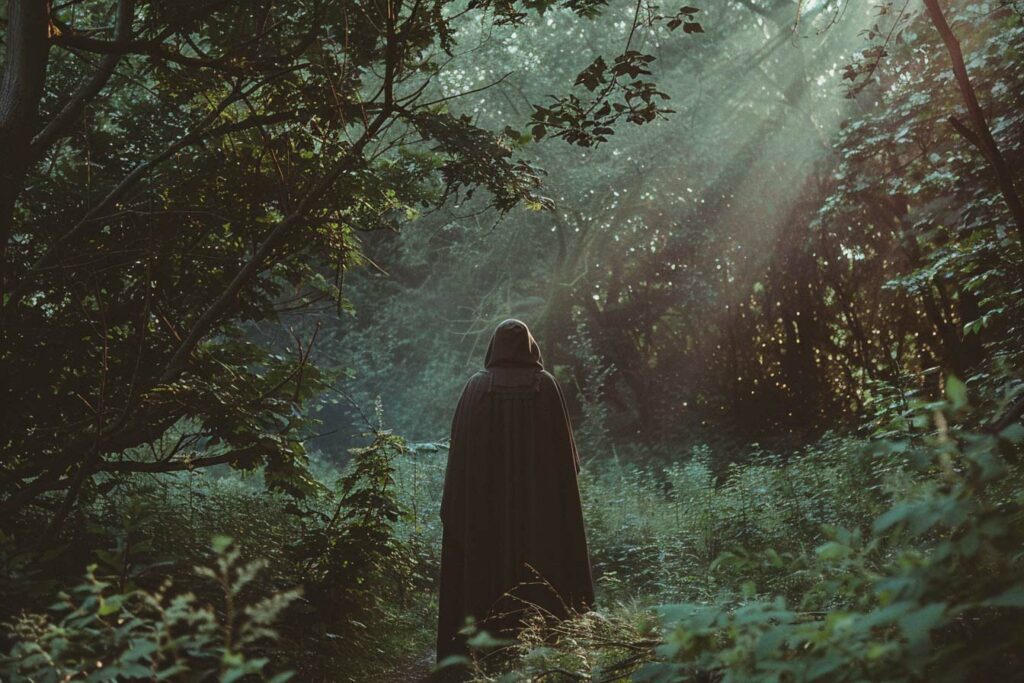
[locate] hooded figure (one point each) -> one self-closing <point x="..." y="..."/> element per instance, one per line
<point x="513" y="526"/>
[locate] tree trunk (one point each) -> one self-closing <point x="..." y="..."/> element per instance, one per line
<point x="21" y="88"/>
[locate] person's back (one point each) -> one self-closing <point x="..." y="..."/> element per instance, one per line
<point x="513" y="525"/>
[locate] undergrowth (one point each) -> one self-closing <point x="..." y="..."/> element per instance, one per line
<point x="893" y="558"/>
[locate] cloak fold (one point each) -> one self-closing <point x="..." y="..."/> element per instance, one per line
<point x="513" y="526"/>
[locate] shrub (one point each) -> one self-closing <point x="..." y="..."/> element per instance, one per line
<point x="930" y="587"/>
<point x="96" y="633"/>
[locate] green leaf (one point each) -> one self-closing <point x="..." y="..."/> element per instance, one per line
<point x="1014" y="433"/>
<point x="453" y="660"/>
<point x="956" y="392"/>
<point x="221" y="543"/>
<point x="918" y="624"/>
<point x="484" y="640"/>
<point x="140" y="649"/>
<point x="658" y="672"/>
<point x="1011" y="598"/>
<point x="824" y="666"/>
<point x="833" y="551"/>
<point x="110" y="605"/>
<point x="893" y="516"/>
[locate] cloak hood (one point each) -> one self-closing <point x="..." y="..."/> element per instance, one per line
<point x="512" y="346"/>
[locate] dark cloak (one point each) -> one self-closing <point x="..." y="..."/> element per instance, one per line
<point x="513" y="526"/>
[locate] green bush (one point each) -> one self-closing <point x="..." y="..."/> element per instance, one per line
<point x="96" y="633"/>
<point x="351" y="545"/>
<point x="932" y="592"/>
<point x="900" y="562"/>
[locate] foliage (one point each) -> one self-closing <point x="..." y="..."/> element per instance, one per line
<point x="186" y="182"/>
<point x="933" y="591"/>
<point x="347" y="546"/>
<point x="762" y="266"/>
<point x="616" y="91"/>
<point x="592" y="432"/>
<point x="95" y="632"/>
<point x="347" y="553"/>
<point x="805" y="585"/>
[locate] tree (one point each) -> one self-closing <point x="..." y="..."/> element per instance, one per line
<point x="772" y="260"/>
<point x="179" y="175"/>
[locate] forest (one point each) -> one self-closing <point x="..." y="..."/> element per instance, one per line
<point x="771" y="250"/>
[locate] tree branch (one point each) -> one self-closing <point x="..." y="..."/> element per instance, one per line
<point x="149" y="48"/>
<point x="1012" y="414"/>
<point x="968" y="134"/>
<point x="116" y="194"/>
<point x="60" y="123"/>
<point x="255" y="264"/>
<point x="178" y="465"/>
<point x="1004" y="176"/>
